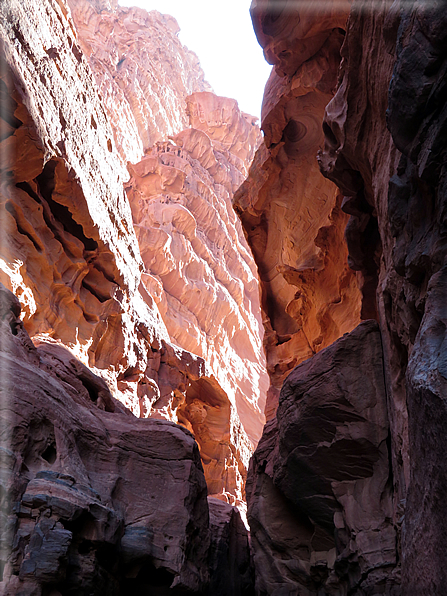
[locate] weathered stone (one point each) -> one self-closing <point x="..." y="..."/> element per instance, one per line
<point x="202" y="275"/>
<point x="231" y="571"/>
<point x="142" y="69"/>
<point x="70" y="252"/>
<point x="396" y="238"/>
<point x="103" y="502"/>
<point x="319" y="486"/>
<point x="292" y="217"/>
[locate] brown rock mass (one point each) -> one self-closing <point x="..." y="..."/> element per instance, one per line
<point x="94" y="500"/>
<point x="395" y="192"/>
<point x="319" y="467"/>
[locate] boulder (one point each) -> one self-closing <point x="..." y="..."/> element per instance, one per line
<point x="320" y="485"/>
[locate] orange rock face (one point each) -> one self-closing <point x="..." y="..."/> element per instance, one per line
<point x="70" y="252"/>
<point x="201" y="272"/>
<point x="143" y="72"/>
<point x="291" y="215"/>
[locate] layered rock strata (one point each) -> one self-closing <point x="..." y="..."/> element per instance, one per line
<point x="93" y="499"/>
<point x="70" y="252"/>
<point x="291" y="215"/>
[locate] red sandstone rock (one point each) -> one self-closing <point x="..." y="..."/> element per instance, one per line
<point x="291" y="216"/>
<point x="97" y="501"/>
<point x="71" y="254"/>
<point x="202" y="275"/>
<point x="291" y="33"/>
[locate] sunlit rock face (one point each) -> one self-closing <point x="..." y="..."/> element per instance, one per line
<point x="204" y="284"/>
<point x="69" y="249"/>
<point x="385" y="147"/>
<point x="70" y="252"/>
<point x="201" y="273"/>
<point x="142" y="70"/>
<point x="291" y="215"/>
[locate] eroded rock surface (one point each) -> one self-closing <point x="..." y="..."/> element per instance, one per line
<point x="70" y="252"/>
<point x="69" y="249"/>
<point x="93" y="499"/>
<point x="142" y="70"/>
<point x="384" y="147"/>
<point x="202" y="275"/>
<point x="319" y="487"/>
<point x="292" y="216"/>
<point x="393" y="178"/>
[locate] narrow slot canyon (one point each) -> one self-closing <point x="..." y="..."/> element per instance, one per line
<point x="223" y="339"/>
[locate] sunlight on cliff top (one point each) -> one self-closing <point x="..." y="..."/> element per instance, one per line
<point x="224" y="40"/>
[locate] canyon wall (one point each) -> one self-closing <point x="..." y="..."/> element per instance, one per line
<point x="77" y="95"/>
<point x="397" y="201"/>
<point x="344" y="490"/>
<point x="201" y="273"/>
<point x="95" y="500"/>
<point x="135" y="305"/>
<point x="83" y="99"/>
<point x="142" y="71"/>
<point x="290" y="213"/>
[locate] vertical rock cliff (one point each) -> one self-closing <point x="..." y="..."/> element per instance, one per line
<point x="71" y="252"/>
<point x="142" y="70"/>
<point x="82" y="99"/>
<point x="202" y="275"/>
<point x="291" y="215"/>
<point x="344" y="490"/>
<point x="397" y="238"/>
<point x="133" y="382"/>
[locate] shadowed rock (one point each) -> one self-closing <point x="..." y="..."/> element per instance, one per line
<point x="319" y="484"/>
<point x="93" y="501"/>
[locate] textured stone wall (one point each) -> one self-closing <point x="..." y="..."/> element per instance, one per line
<point x="323" y="519"/>
<point x="95" y="500"/>
<point x="291" y="215"/>
<point x="201" y="273"/>
<point x="393" y="176"/>
<point x="96" y="495"/>
<point x="319" y="488"/>
<point x="69" y="248"/>
<point x="142" y="70"/>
